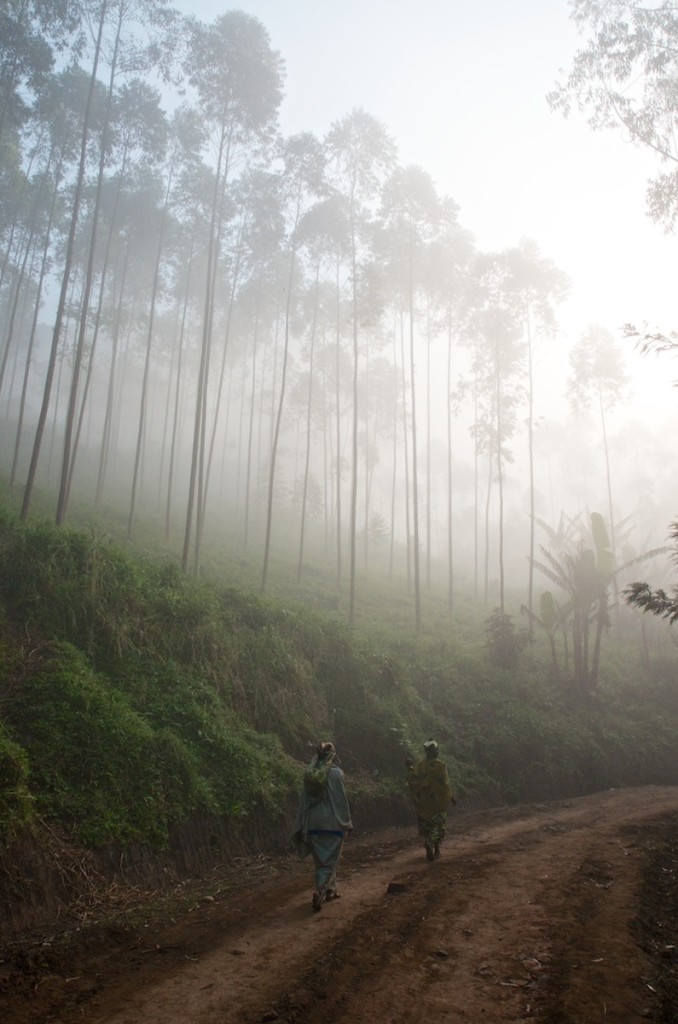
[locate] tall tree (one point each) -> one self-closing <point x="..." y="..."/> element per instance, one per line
<point x="499" y="358"/>
<point x="624" y="76"/>
<point x="411" y="214"/>
<point x="302" y="181"/>
<point x="360" y="154"/>
<point x="238" y="81"/>
<point x="69" y="253"/>
<point x="138" y="137"/>
<point x="327" y="235"/>
<point x="539" y="287"/>
<point x="449" y="258"/>
<point x="598" y="377"/>
<point x="29" y="32"/>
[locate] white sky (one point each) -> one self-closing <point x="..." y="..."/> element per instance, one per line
<point x="461" y="87"/>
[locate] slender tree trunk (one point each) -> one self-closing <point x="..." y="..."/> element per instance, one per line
<point x="217" y="407"/>
<point x="68" y="451"/>
<point x="394" y="476"/>
<point x="608" y="477"/>
<point x="250" y="433"/>
<point x="147" y="360"/>
<point x="415" y="483"/>
<point x="476" y="490"/>
<point x="354" y="439"/>
<point x="428" y="448"/>
<point x="530" y="444"/>
<point x="177" y="392"/>
<point x="97" y="324"/>
<point x="309" y="415"/>
<point x="500" y="478"/>
<point x="201" y="397"/>
<point x="448" y="403"/>
<point x="70" y="245"/>
<point x="28" y="247"/>
<point x="406" y="452"/>
<point x="278" y="419"/>
<point x="110" y="394"/>
<point x="486" y="588"/>
<point x="337" y="385"/>
<point x="34" y="324"/>
<point x="202" y="465"/>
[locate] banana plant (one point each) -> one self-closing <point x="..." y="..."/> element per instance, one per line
<point x="553" y="616"/>
<point x="585" y="573"/>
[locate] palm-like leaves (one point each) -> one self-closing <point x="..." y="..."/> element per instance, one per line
<point x="585" y="572"/>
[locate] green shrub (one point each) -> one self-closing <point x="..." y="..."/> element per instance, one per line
<point x="16" y="808"/>
<point x="94" y="762"/>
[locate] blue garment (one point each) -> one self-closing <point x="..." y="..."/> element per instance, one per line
<point x="326" y="851"/>
<point x="320" y="828"/>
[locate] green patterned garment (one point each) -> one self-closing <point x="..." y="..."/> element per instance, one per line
<point x="429" y="787"/>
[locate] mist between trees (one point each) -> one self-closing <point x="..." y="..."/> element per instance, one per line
<point x="290" y="344"/>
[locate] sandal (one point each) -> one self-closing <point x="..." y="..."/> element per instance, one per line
<point x="317" y="901"/>
<point x="332" y="894"/>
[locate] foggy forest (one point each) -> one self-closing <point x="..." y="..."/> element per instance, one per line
<point x="287" y="345"/>
<point x="301" y="483"/>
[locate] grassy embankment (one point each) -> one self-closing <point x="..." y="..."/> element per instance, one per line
<point x="134" y="699"/>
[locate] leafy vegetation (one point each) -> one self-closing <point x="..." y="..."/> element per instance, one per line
<point x="135" y="699"/>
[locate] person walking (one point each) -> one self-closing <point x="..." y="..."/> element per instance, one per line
<point x="430" y="791"/>
<point x="323" y="821"/>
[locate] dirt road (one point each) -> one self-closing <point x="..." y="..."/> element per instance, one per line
<point x="533" y="914"/>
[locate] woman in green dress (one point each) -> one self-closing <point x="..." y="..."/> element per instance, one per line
<point x="430" y="791"/>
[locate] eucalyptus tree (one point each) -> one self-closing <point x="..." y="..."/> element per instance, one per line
<point x="123" y="54"/>
<point x="598" y="378"/>
<point x="191" y="215"/>
<point x="321" y="312"/>
<point x="180" y="160"/>
<point x="97" y="16"/>
<point x="360" y="155"/>
<point x="30" y="32"/>
<point x="539" y="286"/>
<point x="300" y="178"/>
<point x="33" y="216"/>
<point x="327" y="239"/>
<point x="138" y="137"/>
<point x="237" y="78"/>
<point x="78" y="354"/>
<point x="93" y="87"/>
<point x="449" y="258"/>
<point x="236" y="262"/>
<point x="381" y="387"/>
<point x="259" y="197"/>
<point x="410" y="213"/>
<point x="624" y="76"/>
<point x="499" y="358"/>
<point x="312" y="395"/>
<point x="47" y="239"/>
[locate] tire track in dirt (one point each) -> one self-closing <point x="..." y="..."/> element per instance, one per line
<point x="528" y="917"/>
<point x="536" y="924"/>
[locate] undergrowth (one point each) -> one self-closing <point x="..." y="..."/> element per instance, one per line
<point x="134" y="698"/>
